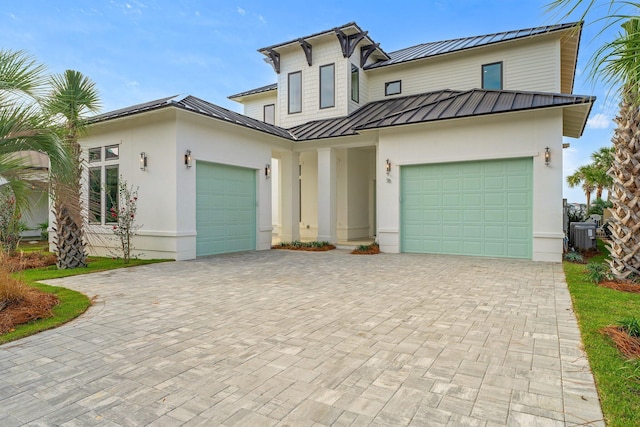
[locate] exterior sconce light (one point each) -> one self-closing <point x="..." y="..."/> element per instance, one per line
<point x="143" y="161"/>
<point x="547" y="156"/>
<point x="187" y="159"/>
<point x="267" y="171"/>
<point x="388" y="167"/>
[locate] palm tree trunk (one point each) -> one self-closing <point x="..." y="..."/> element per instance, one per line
<point x="625" y="193"/>
<point x="588" y="199"/>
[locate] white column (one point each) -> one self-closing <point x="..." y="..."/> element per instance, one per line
<point x="327" y="189"/>
<point x="289" y="197"/>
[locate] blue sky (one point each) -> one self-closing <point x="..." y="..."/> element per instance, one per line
<point x="137" y="51"/>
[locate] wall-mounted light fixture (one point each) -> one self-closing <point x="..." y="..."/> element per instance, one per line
<point x="187" y="159"/>
<point x="388" y="167"/>
<point x="547" y="156"/>
<point x="143" y="161"/>
<point x="267" y="171"/>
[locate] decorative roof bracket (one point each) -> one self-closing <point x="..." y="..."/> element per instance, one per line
<point x="307" y="50"/>
<point x="348" y="43"/>
<point x="275" y="60"/>
<point x="366" y="51"/>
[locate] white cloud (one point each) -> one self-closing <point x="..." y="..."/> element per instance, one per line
<point x="599" y="121"/>
<point x="261" y="19"/>
<point x="132" y="83"/>
<point x="241" y="11"/>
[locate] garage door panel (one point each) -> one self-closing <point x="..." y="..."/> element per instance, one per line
<point x="471" y="208"/>
<point x="225" y="209"/>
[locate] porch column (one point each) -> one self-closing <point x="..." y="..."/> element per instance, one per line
<point x="327" y="197"/>
<point x="289" y="196"/>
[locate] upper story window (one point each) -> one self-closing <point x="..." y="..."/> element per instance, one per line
<point x="295" y="92"/>
<point x="355" y="83"/>
<point x="327" y="86"/>
<point x="269" y="114"/>
<point x="492" y="76"/>
<point x="111" y="152"/>
<point x="393" y="88"/>
<point x="95" y="154"/>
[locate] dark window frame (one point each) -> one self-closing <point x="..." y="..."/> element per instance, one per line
<point x="264" y="113"/>
<point x="386" y="88"/>
<point x="333" y="95"/>
<point x="289" y="92"/>
<point x="95" y="196"/>
<point x="108" y="158"/>
<point x="355" y="71"/>
<point x="501" y="63"/>
<point x="93" y="151"/>
<point x="111" y="194"/>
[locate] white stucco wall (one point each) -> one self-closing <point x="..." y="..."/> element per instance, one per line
<point x="166" y="204"/>
<point x="506" y="136"/>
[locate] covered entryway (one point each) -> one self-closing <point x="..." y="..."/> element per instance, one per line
<point x="225" y="209"/>
<point x="481" y="208"/>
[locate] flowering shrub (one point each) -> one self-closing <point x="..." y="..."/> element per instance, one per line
<point x="125" y="227"/>
<point x="10" y="224"/>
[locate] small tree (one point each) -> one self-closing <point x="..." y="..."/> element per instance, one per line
<point x="10" y="224"/>
<point x="123" y="212"/>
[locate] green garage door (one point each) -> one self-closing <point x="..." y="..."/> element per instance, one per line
<point x="225" y="209"/>
<point x="471" y="208"/>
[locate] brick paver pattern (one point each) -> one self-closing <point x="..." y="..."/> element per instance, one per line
<point x="309" y="339"/>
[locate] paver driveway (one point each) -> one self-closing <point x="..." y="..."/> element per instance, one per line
<point x="295" y="338"/>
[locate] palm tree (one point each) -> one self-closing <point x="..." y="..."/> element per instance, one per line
<point x="602" y="161"/>
<point x="72" y="96"/>
<point x="624" y="63"/>
<point x="23" y="127"/>
<point x="585" y="175"/>
<point x="617" y="62"/>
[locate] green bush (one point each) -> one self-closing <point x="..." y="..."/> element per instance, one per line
<point x="574" y="256"/>
<point x="631" y="326"/>
<point x="597" y="272"/>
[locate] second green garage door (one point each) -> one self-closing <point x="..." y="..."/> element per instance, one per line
<point x="479" y="208"/>
<point x="225" y="209"/>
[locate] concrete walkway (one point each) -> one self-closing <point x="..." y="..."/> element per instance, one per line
<point x="300" y="339"/>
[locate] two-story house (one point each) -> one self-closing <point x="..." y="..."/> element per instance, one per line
<point x="450" y="147"/>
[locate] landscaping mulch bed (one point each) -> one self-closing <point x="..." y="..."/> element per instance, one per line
<point x="629" y="346"/>
<point x="372" y="249"/>
<point x="305" y="248"/>
<point x="35" y="305"/>
<point x="633" y="288"/>
<point x="26" y="260"/>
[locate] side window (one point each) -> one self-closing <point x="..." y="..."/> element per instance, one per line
<point x="492" y="76"/>
<point x="355" y="83"/>
<point x="393" y="88"/>
<point x="295" y="92"/>
<point x="103" y="184"/>
<point x="269" y="114"/>
<point x="327" y="86"/>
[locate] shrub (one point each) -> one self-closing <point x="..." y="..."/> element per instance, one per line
<point x="631" y="326"/>
<point x="574" y="256"/>
<point x="44" y="230"/>
<point x="10" y="224"/>
<point x="599" y="206"/>
<point x="12" y="291"/>
<point x="597" y="272"/>
<point x="576" y="213"/>
<point x="125" y="228"/>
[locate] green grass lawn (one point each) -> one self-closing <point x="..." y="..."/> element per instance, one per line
<point x="617" y="380"/>
<point x="72" y="303"/>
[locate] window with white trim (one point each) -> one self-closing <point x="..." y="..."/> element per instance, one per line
<point x="103" y="178"/>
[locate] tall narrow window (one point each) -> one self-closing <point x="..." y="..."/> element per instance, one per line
<point x="492" y="76"/>
<point x="269" y="113"/>
<point x="393" y="88"/>
<point x="95" y="192"/>
<point x="111" y="192"/>
<point x="355" y="83"/>
<point x="327" y="86"/>
<point x="295" y="92"/>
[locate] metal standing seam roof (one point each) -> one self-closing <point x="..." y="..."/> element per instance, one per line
<point x="421" y="108"/>
<point x="433" y="106"/>
<point x="263" y="89"/>
<point x="427" y="50"/>
<point x="197" y="105"/>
